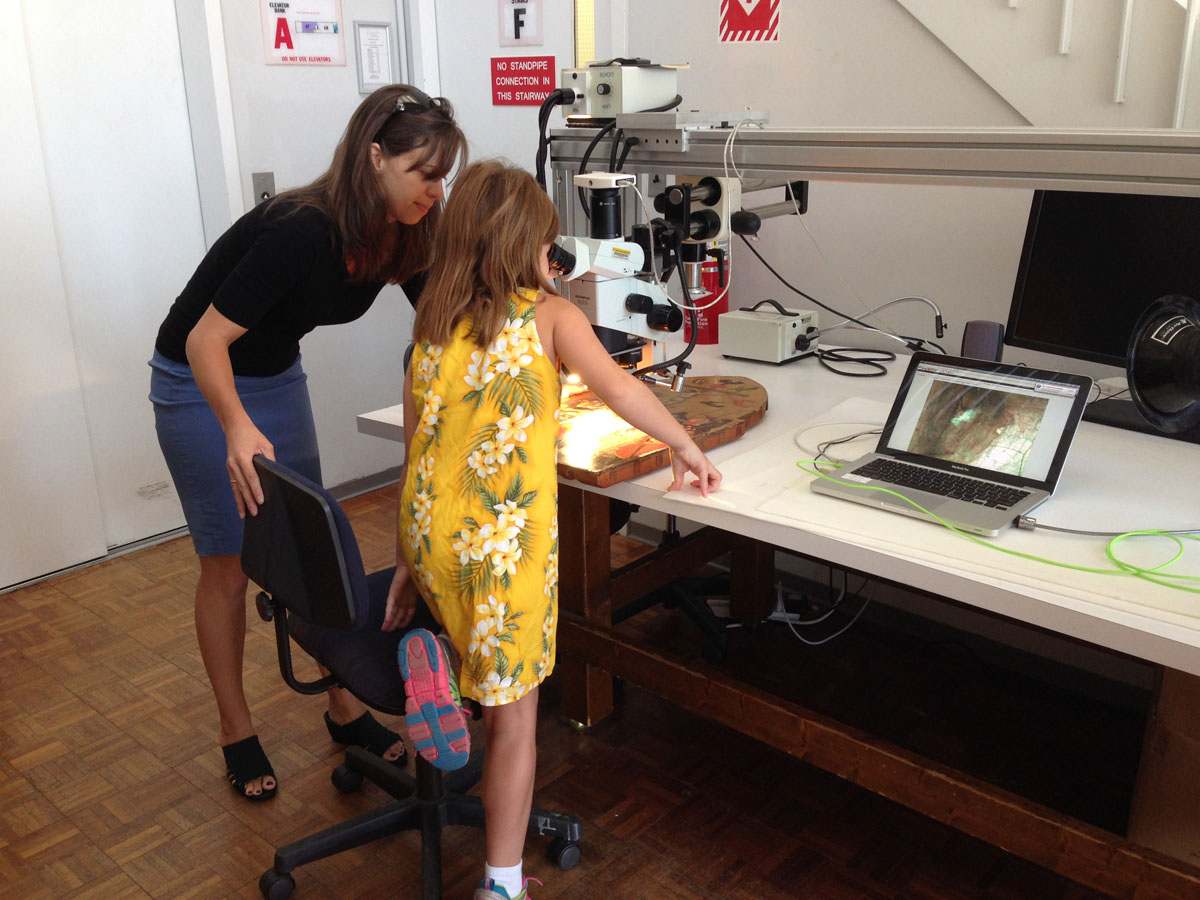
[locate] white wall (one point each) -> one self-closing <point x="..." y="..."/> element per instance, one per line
<point x="1017" y="51"/>
<point x="51" y="507"/>
<point x="858" y="63"/>
<point x="287" y="120"/>
<point x="468" y="37"/>
<point x="108" y="85"/>
<point x="854" y="63"/>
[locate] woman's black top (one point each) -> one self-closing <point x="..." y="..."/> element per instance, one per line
<point x="278" y="272"/>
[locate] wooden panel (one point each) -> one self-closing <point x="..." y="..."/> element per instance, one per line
<point x="1081" y="852"/>
<point x="752" y="587"/>
<point x="584" y="566"/>
<point x="668" y="563"/>
<point x="1166" y="803"/>
<point x="599" y="448"/>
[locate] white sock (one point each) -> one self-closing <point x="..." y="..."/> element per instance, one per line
<point x="507" y="877"/>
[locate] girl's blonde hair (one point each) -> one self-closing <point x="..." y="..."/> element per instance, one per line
<point x="488" y="244"/>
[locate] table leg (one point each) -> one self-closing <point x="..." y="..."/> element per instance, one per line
<point x="752" y="585"/>
<point x="584" y="575"/>
<point x="1166" y="802"/>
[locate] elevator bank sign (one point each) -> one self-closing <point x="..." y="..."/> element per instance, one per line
<point x="303" y="32"/>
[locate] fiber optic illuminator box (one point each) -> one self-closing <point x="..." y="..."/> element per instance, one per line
<point x="776" y="335"/>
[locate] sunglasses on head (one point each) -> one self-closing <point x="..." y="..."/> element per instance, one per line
<point x="411" y="101"/>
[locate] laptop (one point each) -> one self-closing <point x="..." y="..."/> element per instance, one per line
<point x="977" y="443"/>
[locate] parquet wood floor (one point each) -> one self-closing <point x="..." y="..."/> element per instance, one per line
<point x="112" y="786"/>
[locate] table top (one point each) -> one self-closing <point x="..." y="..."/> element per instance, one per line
<point x="1114" y="480"/>
<point x="598" y="448"/>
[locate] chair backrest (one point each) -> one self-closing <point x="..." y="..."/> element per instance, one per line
<point x="301" y="550"/>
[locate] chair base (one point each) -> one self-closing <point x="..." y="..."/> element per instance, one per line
<point x="430" y="802"/>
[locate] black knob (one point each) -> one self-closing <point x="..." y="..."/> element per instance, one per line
<point x="745" y="222"/>
<point x="603" y="88"/>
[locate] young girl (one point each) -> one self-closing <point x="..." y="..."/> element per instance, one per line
<point x="478" y="532"/>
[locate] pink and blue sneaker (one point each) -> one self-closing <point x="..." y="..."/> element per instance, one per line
<point x="433" y="710"/>
<point x="489" y="890"/>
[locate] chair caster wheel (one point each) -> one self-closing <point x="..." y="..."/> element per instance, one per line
<point x="275" y="885"/>
<point x="345" y="779"/>
<point x="563" y="853"/>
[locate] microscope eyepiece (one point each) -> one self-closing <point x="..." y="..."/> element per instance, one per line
<point x="561" y="261"/>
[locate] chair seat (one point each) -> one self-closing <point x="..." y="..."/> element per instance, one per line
<point x="365" y="660"/>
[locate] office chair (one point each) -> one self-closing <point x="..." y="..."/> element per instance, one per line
<point x="301" y="551"/>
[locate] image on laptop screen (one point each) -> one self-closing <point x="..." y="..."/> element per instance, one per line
<point x="998" y="422"/>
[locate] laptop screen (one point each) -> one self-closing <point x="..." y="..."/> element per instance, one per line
<point x="986" y="418"/>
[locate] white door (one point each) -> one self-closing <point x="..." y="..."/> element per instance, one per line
<point x="49" y="505"/>
<point x="108" y="87"/>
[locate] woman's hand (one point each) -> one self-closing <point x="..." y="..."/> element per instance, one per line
<point x="243" y="443"/>
<point x="689" y="459"/>
<point x="401" y="600"/>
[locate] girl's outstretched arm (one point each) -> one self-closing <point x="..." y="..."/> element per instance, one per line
<point x="572" y="341"/>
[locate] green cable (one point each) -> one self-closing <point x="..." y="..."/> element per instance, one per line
<point x="1123" y="567"/>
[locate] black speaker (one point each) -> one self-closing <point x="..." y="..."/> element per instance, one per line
<point x="1163" y="363"/>
<point x="983" y="340"/>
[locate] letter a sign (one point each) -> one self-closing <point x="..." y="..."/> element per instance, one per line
<point x="749" y="20"/>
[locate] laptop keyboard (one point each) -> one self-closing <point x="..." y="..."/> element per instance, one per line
<point x="946" y="484"/>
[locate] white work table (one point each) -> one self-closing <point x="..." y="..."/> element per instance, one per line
<point x="1114" y="480"/>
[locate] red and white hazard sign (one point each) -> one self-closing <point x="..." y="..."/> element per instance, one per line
<point x="749" y="20"/>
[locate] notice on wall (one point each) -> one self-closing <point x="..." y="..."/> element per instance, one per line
<point x="303" y="32"/>
<point x="749" y="20"/>
<point x="520" y="22"/>
<point x="522" y="80"/>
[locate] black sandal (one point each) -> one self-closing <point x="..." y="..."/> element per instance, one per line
<point x="367" y="732"/>
<point x="246" y="761"/>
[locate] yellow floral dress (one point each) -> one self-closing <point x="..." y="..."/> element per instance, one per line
<point x="479" y="510"/>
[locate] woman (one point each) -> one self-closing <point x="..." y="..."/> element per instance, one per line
<point x="226" y="380"/>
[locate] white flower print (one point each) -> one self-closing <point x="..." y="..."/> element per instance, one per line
<point x="511" y="350"/>
<point x="551" y="574"/>
<point x="479" y="374"/>
<point x="509" y="516"/>
<point x="512" y="427"/>
<point x="489" y="622"/>
<point x="496" y="691"/>
<point x="475" y="545"/>
<point x="429" y="416"/>
<point x="414" y="535"/>
<point x="481" y="461"/>
<point x="425" y="467"/>
<point x="504" y="557"/>
<point x="423" y="503"/>
<point x="427" y="367"/>
<point x="424" y="576"/>
<point x="495" y="454"/>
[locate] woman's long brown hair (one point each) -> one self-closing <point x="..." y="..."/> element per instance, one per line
<point x="488" y="245"/>
<point x="349" y="192"/>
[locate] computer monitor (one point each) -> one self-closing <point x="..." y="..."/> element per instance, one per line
<point x="1091" y="264"/>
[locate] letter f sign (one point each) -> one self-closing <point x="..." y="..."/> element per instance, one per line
<point x="518" y="20"/>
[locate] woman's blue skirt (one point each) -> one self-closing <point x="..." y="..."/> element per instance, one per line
<point x="194" y="444"/>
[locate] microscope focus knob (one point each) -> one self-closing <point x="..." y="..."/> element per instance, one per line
<point x="603" y="88"/>
<point x="659" y="316"/>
